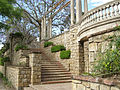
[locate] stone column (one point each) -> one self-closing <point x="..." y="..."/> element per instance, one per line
<point x="78" y="10"/>
<point x="85" y="6"/>
<point x="50" y="28"/>
<point x="44" y="30"/>
<point x="72" y="12"/>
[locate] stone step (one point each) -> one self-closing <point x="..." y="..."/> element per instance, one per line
<point x="51" y="66"/>
<point x="53" y="70"/>
<point x="54" y="73"/>
<point x="58" y="81"/>
<point x="54" y="79"/>
<point x="58" y="75"/>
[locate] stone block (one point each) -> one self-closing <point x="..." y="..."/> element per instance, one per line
<point x="80" y="87"/>
<point x="115" y="88"/>
<point x="104" y="87"/>
<point x="92" y="56"/>
<point x="86" y="84"/>
<point x="95" y="86"/>
<point x="93" y="47"/>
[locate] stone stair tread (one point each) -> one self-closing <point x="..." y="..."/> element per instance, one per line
<point x="53" y="69"/>
<point x="55" y="73"/>
<point x="58" y="81"/>
<point x="58" y="78"/>
<point x="59" y="75"/>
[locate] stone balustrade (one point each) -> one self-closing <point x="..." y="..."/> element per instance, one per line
<point x="101" y="15"/>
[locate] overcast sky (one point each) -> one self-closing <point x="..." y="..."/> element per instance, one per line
<point x="91" y="4"/>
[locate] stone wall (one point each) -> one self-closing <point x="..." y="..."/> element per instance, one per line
<point x="92" y="83"/>
<point x="96" y="45"/>
<point x="19" y="76"/>
<point x="69" y="40"/>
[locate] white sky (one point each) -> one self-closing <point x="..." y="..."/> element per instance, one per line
<point x="95" y="3"/>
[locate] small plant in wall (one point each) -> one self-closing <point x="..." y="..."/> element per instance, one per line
<point x="20" y="46"/>
<point x="46" y="44"/>
<point x="65" y="54"/>
<point x="57" y="48"/>
<point x="4" y="59"/>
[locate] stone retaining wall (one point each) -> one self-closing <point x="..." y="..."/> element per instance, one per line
<point x="90" y="83"/>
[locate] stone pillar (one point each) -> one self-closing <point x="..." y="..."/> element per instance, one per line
<point x="78" y="10"/>
<point x="35" y="64"/>
<point x="44" y="30"/>
<point x="50" y="28"/>
<point x="72" y="12"/>
<point x="85" y="6"/>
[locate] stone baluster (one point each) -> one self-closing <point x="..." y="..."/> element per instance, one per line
<point x="72" y="12"/>
<point x="113" y="10"/>
<point x="98" y="15"/>
<point x="105" y="13"/>
<point x="109" y="11"/>
<point x="117" y="10"/>
<point x="91" y="18"/>
<point x="78" y="11"/>
<point x="95" y="16"/>
<point x="101" y="13"/>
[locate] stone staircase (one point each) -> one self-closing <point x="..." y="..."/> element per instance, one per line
<point x="54" y="72"/>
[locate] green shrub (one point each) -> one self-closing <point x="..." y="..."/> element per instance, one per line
<point x="1" y="61"/>
<point x="6" y="59"/>
<point x="19" y="46"/>
<point x="16" y="34"/>
<point x="116" y="28"/>
<point x="57" y="48"/>
<point x="1" y="75"/>
<point x="65" y="54"/>
<point x="46" y="44"/>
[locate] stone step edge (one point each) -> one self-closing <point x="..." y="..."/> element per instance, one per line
<point x="53" y="76"/>
<point x="58" y="81"/>
<point x="54" y="79"/>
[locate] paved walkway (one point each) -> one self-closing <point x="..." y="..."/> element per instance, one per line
<point x="61" y="86"/>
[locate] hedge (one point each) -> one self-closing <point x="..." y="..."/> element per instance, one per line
<point x="46" y="44"/>
<point x="57" y="48"/>
<point x="65" y="54"/>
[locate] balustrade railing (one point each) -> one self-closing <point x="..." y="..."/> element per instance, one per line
<point x="102" y="13"/>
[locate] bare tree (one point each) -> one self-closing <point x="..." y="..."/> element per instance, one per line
<point x="36" y="9"/>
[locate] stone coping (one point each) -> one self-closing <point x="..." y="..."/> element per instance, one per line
<point x="106" y="81"/>
<point x="18" y="67"/>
